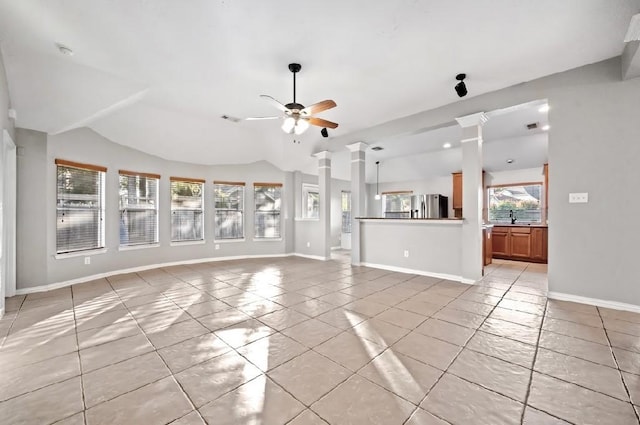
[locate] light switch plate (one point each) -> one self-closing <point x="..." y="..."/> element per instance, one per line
<point x="578" y="198"/>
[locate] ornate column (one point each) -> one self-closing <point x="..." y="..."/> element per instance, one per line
<point x="358" y="191"/>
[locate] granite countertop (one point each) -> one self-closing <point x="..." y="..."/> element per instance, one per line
<point x="518" y="225"/>
<point x="416" y="219"/>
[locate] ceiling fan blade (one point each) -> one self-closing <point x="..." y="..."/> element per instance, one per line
<point x="274" y="102"/>
<point x="318" y="107"/>
<point x="261" y="118"/>
<point x="322" y="123"/>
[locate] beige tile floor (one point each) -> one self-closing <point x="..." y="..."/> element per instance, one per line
<point x="301" y="342"/>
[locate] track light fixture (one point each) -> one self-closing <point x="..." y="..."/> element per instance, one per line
<point x="461" y="87"/>
<point x="324" y="132"/>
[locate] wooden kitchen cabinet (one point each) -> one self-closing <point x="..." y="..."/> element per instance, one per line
<point x="520" y="243"/>
<point x="487" y="246"/>
<point x="457" y="195"/>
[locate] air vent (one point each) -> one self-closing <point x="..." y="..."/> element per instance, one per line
<point x="230" y="118"/>
<point x="377" y="148"/>
<point x="532" y="126"/>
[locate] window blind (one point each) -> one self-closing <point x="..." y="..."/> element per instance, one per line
<point x="267" y="198"/>
<point x="186" y="209"/>
<point x="79" y="207"/>
<point x="229" y="205"/>
<point x="138" y="208"/>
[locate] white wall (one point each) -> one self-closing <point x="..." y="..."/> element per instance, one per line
<point x="5" y="124"/>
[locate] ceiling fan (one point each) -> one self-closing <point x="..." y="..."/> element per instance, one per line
<point x="297" y="117"/>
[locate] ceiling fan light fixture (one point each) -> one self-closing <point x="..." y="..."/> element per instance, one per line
<point x="301" y="126"/>
<point x="288" y="125"/>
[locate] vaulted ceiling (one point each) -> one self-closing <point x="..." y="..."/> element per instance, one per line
<point x="158" y="75"/>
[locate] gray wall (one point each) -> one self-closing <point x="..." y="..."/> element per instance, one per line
<point x="36" y="233"/>
<point x="593" y="147"/>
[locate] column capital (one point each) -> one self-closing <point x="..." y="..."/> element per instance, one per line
<point x="357" y="146"/>
<point x="477" y="119"/>
<point x="323" y="155"/>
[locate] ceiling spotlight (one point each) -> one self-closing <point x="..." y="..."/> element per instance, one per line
<point x="546" y="127"/>
<point x="446" y="145"/>
<point x="509" y="161"/>
<point x="324" y="132"/>
<point x="461" y="87"/>
<point x="64" y="49"/>
<point x="544" y="108"/>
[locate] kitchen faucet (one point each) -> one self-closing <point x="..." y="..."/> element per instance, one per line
<point x="512" y="216"/>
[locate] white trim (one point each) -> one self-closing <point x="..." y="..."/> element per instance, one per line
<point x="594" y="301"/>
<point x="418" y="272"/>
<point x="335" y="248"/>
<point x="358" y="160"/>
<point x="324" y="166"/>
<point x="312" y="257"/>
<point x="87" y="253"/>
<point x="322" y="155"/>
<point x="134" y="247"/>
<point x="1" y="312"/>
<point x="186" y="243"/>
<point x="57" y="285"/>
<point x="267" y="239"/>
<point x="306" y="219"/>
<point x="229" y="240"/>
<point x="468" y="281"/>
<point x="357" y="146"/>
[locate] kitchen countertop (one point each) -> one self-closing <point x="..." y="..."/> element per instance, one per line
<point x="416" y="219"/>
<point x="517" y="225"/>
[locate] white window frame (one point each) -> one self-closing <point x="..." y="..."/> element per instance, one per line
<point x="520" y="220"/>
<point x="124" y="208"/>
<point x="307" y="212"/>
<point x="174" y="210"/>
<point x="278" y="210"/>
<point x="241" y="187"/>
<point x="100" y="246"/>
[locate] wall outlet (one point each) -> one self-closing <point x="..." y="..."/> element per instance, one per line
<point x="217" y="246"/>
<point x="578" y="198"/>
<point x="406" y="253"/>
<point x="87" y="260"/>
<point x="308" y="244"/>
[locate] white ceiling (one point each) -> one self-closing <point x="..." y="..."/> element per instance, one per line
<point x="157" y="75"/>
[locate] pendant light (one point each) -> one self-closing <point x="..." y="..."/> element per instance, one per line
<point x="378" y="180"/>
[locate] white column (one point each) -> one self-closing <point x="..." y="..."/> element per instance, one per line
<point x="324" y="186"/>
<point x="472" y="196"/>
<point x="358" y="191"/>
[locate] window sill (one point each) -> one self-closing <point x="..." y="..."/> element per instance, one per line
<point x="87" y="253"/>
<point x="185" y="243"/>
<point x="267" y="239"/>
<point x="229" y="240"/>
<point x="134" y="247"/>
<point x="306" y="219"/>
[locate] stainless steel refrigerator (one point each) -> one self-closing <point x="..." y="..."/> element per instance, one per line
<point x="429" y="206"/>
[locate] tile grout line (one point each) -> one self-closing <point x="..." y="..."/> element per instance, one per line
<point x="461" y="350"/>
<point x="615" y="359"/>
<point x="533" y="364"/>
<point x="155" y="350"/>
<point x="75" y="328"/>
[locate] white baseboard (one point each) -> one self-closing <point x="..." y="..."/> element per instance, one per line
<point x="335" y="248"/>
<point x="58" y="285"/>
<point x="594" y="301"/>
<point x="418" y="272"/>
<point x="1" y="312"/>
<point x="311" y="257"/>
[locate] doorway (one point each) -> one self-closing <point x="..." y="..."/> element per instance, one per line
<point x="7" y="219"/>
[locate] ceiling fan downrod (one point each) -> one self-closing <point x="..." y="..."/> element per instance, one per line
<point x="294" y="68"/>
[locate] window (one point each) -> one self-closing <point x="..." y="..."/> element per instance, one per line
<point x="346" y="212"/>
<point x="229" y="203"/>
<point x="267" y="215"/>
<point x="138" y="208"/>
<point x="186" y="209"/>
<point x="520" y="202"/>
<point x="79" y="207"/>
<point x="310" y="201"/>
<point x="396" y="204"/>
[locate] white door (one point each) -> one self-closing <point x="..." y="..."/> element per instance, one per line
<point x="345" y="236"/>
<point x="7" y="218"/>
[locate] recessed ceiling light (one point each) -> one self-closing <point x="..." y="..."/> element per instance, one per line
<point x="64" y="49"/>
<point x="509" y="161"/>
<point x="544" y="108"/>
<point x="546" y="127"/>
<point x="446" y="145"/>
<point x="377" y="148"/>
